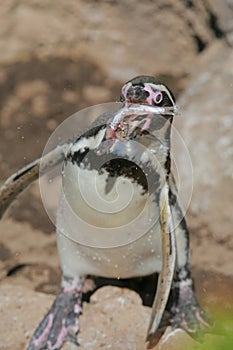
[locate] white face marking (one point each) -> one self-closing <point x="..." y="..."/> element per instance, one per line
<point x="125" y="89"/>
<point x="163" y="88"/>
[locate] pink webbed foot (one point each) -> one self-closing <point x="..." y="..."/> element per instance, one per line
<point x="61" y="322"/>
<point x="183" y="311"/>
<point x="186" y="313"/>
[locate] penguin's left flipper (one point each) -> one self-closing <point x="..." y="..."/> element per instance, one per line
<point x="168" y="267"/>
<point x="178" y="307"/>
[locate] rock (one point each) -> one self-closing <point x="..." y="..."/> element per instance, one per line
<point x="124" y="47"/>
<point x="114" y="319"/>
<point x="29" y="257"/>
<point x="206" y="126"/>
<point x="221" y="18"/>
<point x="20" y="311"/>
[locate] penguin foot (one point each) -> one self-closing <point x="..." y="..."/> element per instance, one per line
<point x="186" y="313"/>
<point x="61" y="322"/>
<point x="183" y="312"/>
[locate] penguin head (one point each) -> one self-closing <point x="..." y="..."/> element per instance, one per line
<point x="147" y="90"/>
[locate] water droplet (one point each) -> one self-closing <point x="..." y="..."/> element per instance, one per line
<point x="94" y="258"/>
<point x="116" y="266"/>
<point x="152" y="250"/>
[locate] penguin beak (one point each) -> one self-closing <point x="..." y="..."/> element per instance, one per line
<point x="134" y="125"/>
<point x="132" y="121"/>
<point x="129" y="127"/>
<point x="125" y="130"/>
<point x="136" y="95"/>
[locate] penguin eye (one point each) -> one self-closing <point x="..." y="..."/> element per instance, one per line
<point x="158" y="96"/>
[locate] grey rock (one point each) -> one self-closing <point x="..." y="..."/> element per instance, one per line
<point x="207" y="128"/>
<point x="221" y="18"/>
<point x="125" y="37"/>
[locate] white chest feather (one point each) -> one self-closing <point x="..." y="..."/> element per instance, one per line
<point x="111" y="234"/>
<point x="107" y="226"/>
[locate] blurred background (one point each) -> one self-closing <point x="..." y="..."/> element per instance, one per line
<point x="59" y="57"/>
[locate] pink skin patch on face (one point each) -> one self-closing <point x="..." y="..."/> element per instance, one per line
<point x="154" y="96"/>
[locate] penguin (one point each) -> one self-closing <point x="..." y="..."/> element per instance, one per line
<point x="119" y="214"/>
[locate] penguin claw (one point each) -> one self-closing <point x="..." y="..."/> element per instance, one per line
<point x="184" y="313"/>
<point x="60" y="324"/>
<point x="194" y="321"/>
<point x="187" y="314"/>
